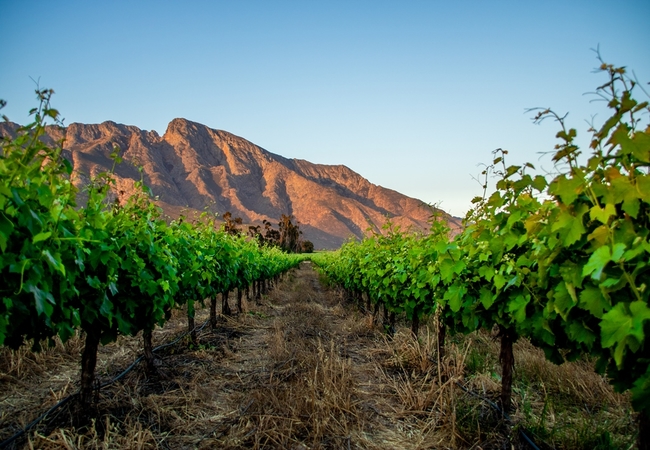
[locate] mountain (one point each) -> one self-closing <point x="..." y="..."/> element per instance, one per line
<point x="196" y="167"/>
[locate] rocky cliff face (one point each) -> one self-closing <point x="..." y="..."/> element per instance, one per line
<point x="196" y="167"/>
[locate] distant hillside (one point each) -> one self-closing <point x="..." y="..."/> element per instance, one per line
<point x="193" y="166"/>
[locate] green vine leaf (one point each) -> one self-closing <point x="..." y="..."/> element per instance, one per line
<point x="593" y="300"/>
<point x="597" y="262"/>
<point x="622" y="327"/>
<point x="602" y="214"/>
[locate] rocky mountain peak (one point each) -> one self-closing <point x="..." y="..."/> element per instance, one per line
<point x="199" y="168"/>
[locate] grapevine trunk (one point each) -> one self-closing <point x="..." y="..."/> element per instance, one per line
<point x="239" y="297"/>
<point x="225" y="307"/>
<point x="148" y="352"/>
<point x="88" y="363"/>
<point x="191" y="328"/>
<point x="415" y="324"/>
<point x="213" y="312"/>
<point x="442" y="334"/>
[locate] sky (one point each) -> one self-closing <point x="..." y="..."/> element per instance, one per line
<point x="413" y="95"/>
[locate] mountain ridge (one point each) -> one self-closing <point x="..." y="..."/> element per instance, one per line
<point x="197" y="167"/>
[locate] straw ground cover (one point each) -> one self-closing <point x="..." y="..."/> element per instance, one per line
<point x="306" y="370"/>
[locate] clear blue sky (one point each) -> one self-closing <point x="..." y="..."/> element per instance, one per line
<point x="413" y="95"/>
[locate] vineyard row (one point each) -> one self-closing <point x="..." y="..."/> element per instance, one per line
<point x="109" y="266"/>
<point x="562" y="260"/>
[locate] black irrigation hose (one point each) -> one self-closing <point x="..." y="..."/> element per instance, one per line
<point x="33" y="423"/>
<point x="498" y="409"/>
<point x="135" y="363"/>
<point x="7" y="442"/>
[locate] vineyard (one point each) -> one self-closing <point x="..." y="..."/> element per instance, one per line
<point x="553" y="267"/>
<point x="561" y="262"/>
<point x="110" y="267"/>
<point x="303" y="367"/>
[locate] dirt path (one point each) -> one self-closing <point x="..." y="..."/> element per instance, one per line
<point x="298" y="371"/>
<point x="306" y="372"/>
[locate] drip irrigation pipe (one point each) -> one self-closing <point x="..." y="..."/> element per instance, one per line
<point x="498" y="409"/>
<point x="33" y="423"/>
<point x="160" y="347"/>
<point x="7" y="442"/>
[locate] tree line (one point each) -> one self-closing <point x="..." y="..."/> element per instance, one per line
<point x="287" y="236"/>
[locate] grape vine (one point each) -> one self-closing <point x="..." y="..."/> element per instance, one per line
<point x="108" y="267"/>
<point x="562" y="261"/>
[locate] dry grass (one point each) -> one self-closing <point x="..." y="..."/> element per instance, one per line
<point x="561" y="406"/>
<point x="111" y="436"/>
<point x="304" y="371"/>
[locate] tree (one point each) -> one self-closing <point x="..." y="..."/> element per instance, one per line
<point x="289" y="234"/>
<point x="271" y="235"/>
<point x="307" y="247"/>
<point x="230" y="224"/>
